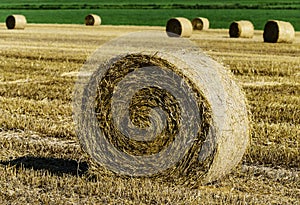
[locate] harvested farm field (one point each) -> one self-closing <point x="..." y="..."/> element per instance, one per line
<point x="41" y="161"/>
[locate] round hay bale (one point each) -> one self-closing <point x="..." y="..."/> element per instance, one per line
<point x="159" y="107"/>
<point x="179" y="27"/>
<point x="278" y="31"/>
<point x="241" y="29"/>
<point x="200" y="23"/>
<point x="92" y="20"/>
<point x="16" y="22"/>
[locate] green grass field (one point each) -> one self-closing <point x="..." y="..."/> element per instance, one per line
<point x="186" y="2"/>
<point x="154" y="13"/>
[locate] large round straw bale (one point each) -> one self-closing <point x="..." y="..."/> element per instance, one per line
<point x="16" y="22"/>
<point x="242" y="29"/>
<point x="200" y="23"/>
<point x="179" y="27"/>
<point x="92" y="20"/>
<point x="158" y="106"/>
<point x="278" y="31"/>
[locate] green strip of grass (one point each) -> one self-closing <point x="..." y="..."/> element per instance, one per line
<point x="220" y="3"/>
<point x="219" y="18"/>
<point x="289" y="6"/>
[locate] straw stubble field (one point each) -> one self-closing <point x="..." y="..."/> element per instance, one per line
<point x="40" y="158"/>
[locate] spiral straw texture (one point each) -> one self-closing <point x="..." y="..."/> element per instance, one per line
<point x="161" y="108"/>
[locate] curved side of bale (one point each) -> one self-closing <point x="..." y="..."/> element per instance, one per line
<point x="92" y="20"/>
<point x="200" y="23"/>
<point x="278" y="31"/>
<point x="241" y="29"/>
<point x="231" y="145"/>
<point x="179" y="27"/>
<point x="16" y="22"/>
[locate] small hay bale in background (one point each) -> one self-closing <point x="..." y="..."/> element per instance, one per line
<point x="179" y="27"/>
<point x="200" y="23"/>
<point x="92" y="20"/>
<point x="241" y="29"/>
<point x="16" y="22"/>
<point x="278" y="31"/>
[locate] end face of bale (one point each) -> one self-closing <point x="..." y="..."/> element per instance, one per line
<point x="200" y="23"/>
<point x="179" y="27"/>
<point x="92" y="20"/>
<point x="278" y="31"/>
<point x="241" y="29"/>
<point x="234" y="31"/>
<point x="16" y="22"/>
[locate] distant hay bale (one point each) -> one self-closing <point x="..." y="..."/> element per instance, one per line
<point x="241" y="29"/>
<point x="179" y="27"/>
<point x="278" y="31"/>
<point x="157" y="106"/>
<point x="92" y="20"/>
<point x="200" y="23"/>
<point x="16" y="22"/>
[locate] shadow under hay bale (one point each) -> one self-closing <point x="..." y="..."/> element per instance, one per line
<point x="278" y="31"/>
<point x="55" y="166"/>
<point x="200" y="23"/>
<point x="16" y="22"/>
<point x="179" y="27"/>
<point x="158" y="107"/>
<point x="92" y="20"/>
<point x="241" y="29"/>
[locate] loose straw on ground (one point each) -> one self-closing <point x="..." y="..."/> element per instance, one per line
<point x="200" y="23"/>
<point x="241" y="29"/>
<point x="92" y="20"/>
<point x="179" y="27"/>
<point x="16" y="22"/>
<point x="278" y="31"/>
